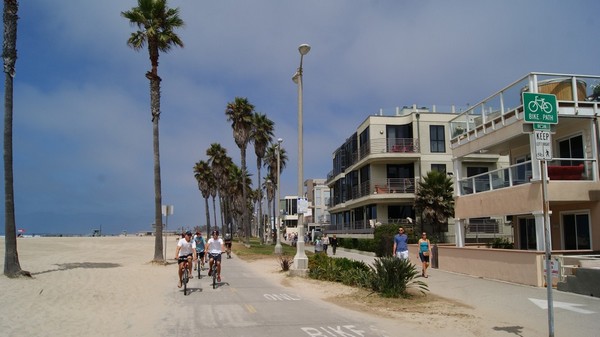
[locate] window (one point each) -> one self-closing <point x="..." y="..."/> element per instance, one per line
<point x="527" y="239"/>
<point x="439" y="167"/>
<point x="571" y="148"/>
<point x="576" y="231"/>
<point x="437" y="137"/>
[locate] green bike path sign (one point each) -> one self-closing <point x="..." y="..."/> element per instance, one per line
<point x="540" y="108"/>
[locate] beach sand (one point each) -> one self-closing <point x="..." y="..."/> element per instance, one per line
<point x="107" y="286"/>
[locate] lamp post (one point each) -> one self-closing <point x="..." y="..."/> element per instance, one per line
<point x="278" y="248"/>
<point x="300" y="260"/>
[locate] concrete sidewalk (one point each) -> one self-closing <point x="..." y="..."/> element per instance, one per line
<point x="508" y="307"/>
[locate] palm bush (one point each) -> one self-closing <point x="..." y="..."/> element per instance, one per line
<point x="343" y="270"/>
<point x="393" y="276"/>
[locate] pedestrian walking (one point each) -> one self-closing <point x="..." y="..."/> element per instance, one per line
<point x="333" y="242"/>
<point x="401" y="244"/>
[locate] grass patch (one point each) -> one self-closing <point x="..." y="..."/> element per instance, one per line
<point x="256" y="251"/>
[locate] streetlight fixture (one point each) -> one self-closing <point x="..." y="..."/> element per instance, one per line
<point x="300" y="260"/>
<point x="278" y="248"/>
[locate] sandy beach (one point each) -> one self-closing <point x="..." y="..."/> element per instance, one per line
<point x="107" y="286"/>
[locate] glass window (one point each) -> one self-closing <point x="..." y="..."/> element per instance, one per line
<point x="576" y="231"/>
<point x="439" y="167"/>
<point x="571" y="148"/>
<point x="437" y="138"/>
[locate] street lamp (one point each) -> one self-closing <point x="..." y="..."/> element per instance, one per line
<point x="278" y="248"/>
<point x="300" y="260"/>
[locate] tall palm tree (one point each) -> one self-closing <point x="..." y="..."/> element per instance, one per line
<point x="239" y="113"/>
<point x="434" y="199"/>
<point x="262" y="135"/>
<point x="12" y="267"/>
<point x="270" y="192"/>
<point x="203" y="175"/>
<point x="156" y="24"/>
<point x="218" y="160"/>
<point x="271" y="164"/>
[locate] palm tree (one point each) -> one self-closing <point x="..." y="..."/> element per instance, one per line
<point x="218" y="160"/>
<point x="271" y="164"/>
<point x="434" y="199"/>
<point x="12" y="267"/>
<point x="156" y="23"/>
<point x="203" y="175"/>
<point x="239" y="113"/>
<point x="262" y="135"/>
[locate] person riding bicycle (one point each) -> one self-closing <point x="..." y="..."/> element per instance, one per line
<point x="215" y="249"/>
<point x="228" y="241"/>
<point x="200" y="245"/>
<point x="185" y="252"/>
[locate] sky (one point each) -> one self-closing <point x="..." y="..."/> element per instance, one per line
<point x="82" y="133"/>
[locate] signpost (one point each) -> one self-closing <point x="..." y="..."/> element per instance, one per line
<point x="166" y="211"/>
<point x="542" y="110"/>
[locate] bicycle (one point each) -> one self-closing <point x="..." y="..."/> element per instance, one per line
<point x="213" y="270"/>
<point x="185" y="278"/>
<point x="540" y="103"/>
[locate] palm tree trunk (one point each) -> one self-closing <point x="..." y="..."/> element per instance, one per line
<point x="245" y="218"/>
<point x="215" y="213"/>
<point x="261" y="226"/>
<point x="155" y="107"/>
<point x="207" y="207"/>
<point x="12" y="267"/>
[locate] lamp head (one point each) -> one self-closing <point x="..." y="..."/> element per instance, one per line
<point x="279" y="140"/>
<point x="304" y="49"/>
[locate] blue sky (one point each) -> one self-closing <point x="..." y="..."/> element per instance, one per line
<point x="82" y="128"/>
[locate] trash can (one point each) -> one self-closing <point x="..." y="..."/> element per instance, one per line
<point x="434" y="257"/>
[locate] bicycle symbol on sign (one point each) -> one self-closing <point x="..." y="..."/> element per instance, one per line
<point x="540" y="103"/>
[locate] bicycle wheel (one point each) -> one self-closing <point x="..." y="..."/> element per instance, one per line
<point x="214" y="274"/>
<point x="199" y="269"/>
<point x="185" y="280"/>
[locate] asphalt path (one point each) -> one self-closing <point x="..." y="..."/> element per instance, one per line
<point x="248" y="304"/>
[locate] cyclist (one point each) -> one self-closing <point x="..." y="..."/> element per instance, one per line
<point x="215" y="248"/>
<point x="185" y="252"/>
<point x="228" y="244"/>
<point x="200" y="244"/>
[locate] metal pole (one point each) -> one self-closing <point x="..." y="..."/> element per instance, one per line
<point x="278" y="248"/>
<point x="548" y="250"/>
<point x="300" y="260"/>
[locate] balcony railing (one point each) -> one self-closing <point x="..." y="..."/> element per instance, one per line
<point x="395" y="185"/>
<point x="505" y="106"/>
<point x="578" y="169"/>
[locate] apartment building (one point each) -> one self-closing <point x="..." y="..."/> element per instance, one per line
<point x="569" y="198"/>
<point x="318" y="195"/>
<point x="376" y="171"/>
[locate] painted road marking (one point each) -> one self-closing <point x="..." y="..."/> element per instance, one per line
<point x="343" y="331"/>
<point x="282" y="297"/>
<point x="562" y="305"/>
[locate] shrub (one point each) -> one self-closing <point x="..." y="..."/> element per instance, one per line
<point x="343" y="270"/>
<point x="285" y="262"/>
<point x="503" y="243"/>
<point x="394" y="276"/>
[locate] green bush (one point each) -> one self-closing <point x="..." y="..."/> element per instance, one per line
<point x="394" y="276"/>
<point x="502" y="243"/>
<point x="384" y="239"/>
<point x="343" y="270"/>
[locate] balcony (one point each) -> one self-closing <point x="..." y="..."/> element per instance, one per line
<point x="579" y="169"/>
<point x="576" y="96"/>
<point x="395" y="185"/>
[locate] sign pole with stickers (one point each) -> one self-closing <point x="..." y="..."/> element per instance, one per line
<point x="542" y="111"/>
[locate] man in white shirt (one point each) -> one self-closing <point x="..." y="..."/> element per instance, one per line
<point x="185" y="252"/>
<point x="215" y="248"/>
